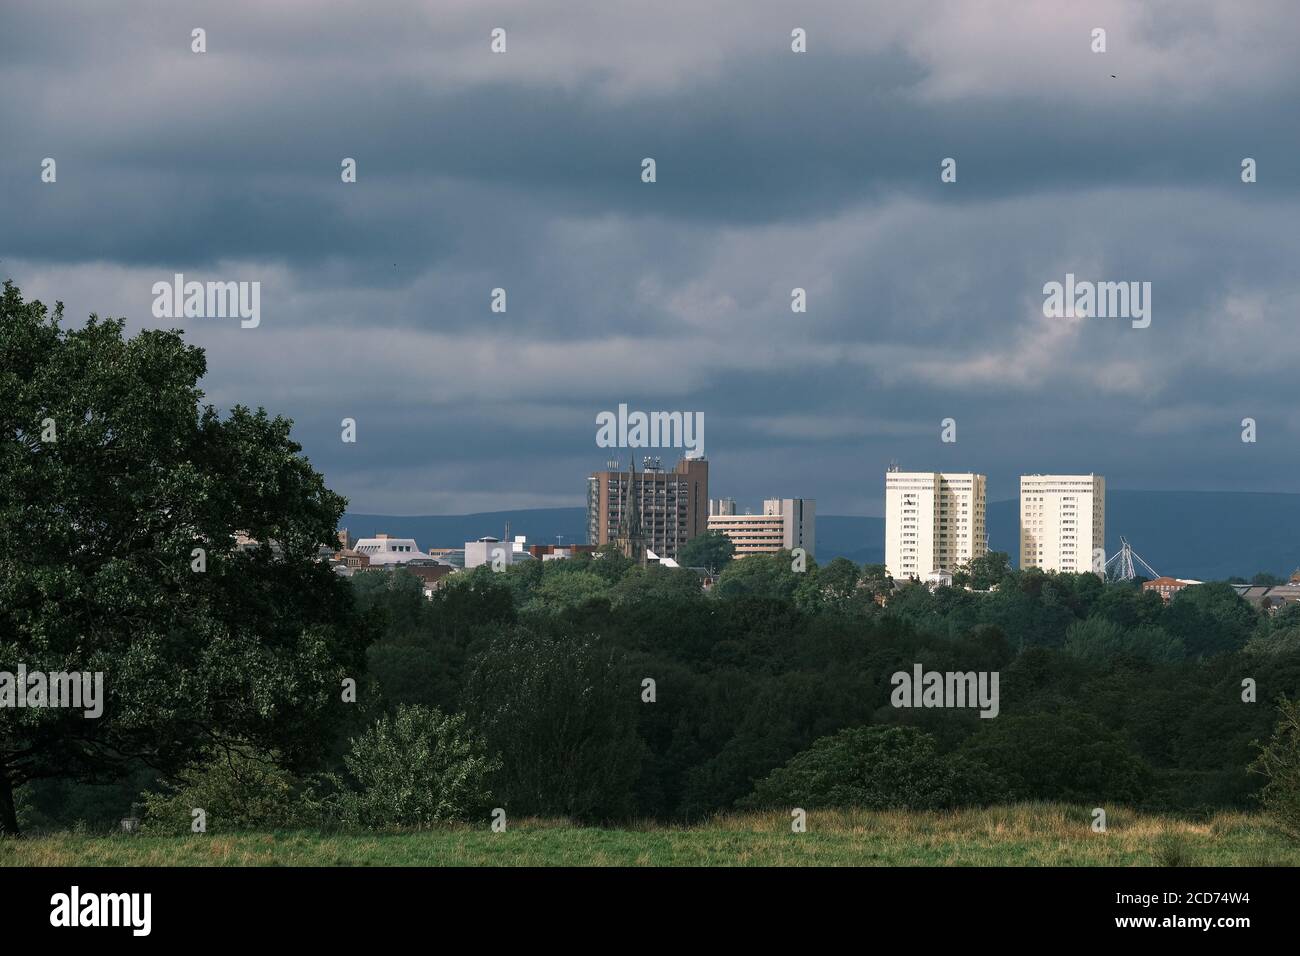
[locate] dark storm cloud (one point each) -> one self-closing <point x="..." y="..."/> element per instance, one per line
<point x="774" y="171"/>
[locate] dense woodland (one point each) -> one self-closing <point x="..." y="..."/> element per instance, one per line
<point x="1107" y="693"/>
<point x="1108" y="696"/>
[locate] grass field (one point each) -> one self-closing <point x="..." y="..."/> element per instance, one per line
<point x="1025" y="835"/>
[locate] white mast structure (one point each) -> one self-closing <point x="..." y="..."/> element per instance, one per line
<point x="1124" y="565"/>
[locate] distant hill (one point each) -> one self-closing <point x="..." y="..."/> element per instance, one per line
<point x="860" y="539"/>
<point x="1206" y="535"/>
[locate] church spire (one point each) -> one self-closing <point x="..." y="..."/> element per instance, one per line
<point x="633" y="512"/>
<point x="631" y="540"/>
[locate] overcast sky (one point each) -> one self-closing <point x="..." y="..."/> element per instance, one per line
<point x="819" y="170"/>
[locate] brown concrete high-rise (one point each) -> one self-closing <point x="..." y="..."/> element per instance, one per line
<point x="672" y="506"/>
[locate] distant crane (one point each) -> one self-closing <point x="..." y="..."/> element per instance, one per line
<point x="1123" y="566"/>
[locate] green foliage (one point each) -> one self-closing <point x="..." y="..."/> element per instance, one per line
<point x="562" y="717"/>
<point x="59" y="803"/>
<point x="422" y="655"/>
<point x="1099" y="638"/>
<point x="1128" y="606"/>
<point x="1286" y="617"/>
<point x="837" y="581"/>
<point x="394" y="599"/>
<point x="97" y="530"/>
<point x="771" y="661"/>
<point x="1210" y="619"/>
<point x="466" y="603"/>
<point x="1274" y="642"/>
<point x="876" y="580"/>
<point x="569" y="588"/>
<point x="984" y="572"/>
<point x="1279" y="762"/>
<point x="711" y="550"/>
<point x="610" y="563"/>
<point x="656" y="584"/>
<point x="1068" y="756"/>
<point x="238" y="788"/>
<point x="875" y="768"/>
<point x="415" y="768"/>
<point x="766" y="575"/>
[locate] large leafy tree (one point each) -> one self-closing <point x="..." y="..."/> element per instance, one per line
<point x="768" y="575"/>
<point x="711" y="550"/>
<point x="562" y="715"/>
<point x="983" y="572"/>
<point x="112" y="474"/>
<point x="1210" y="619"/>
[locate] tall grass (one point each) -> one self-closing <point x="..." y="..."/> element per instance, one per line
<point x="1031" y="834"/>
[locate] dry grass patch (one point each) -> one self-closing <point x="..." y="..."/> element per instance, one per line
<point x="1031" y="834"/>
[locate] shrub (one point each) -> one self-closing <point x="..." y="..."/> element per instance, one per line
<point x="876" y="768"/>
<point x="414" y="768"/>
<point x="238" y="787"/>
<point x="1279" y="761"/>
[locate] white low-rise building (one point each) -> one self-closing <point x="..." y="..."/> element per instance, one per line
<point x="383" y="549"/>
<point x="486" y="550"/>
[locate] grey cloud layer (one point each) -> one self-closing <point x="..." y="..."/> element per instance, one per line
<point x="775" y="171"/>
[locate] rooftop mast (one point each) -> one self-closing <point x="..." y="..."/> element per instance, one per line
<point x="1123" y="566"/>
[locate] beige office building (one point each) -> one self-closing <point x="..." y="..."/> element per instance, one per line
<point x="785" y="524"/>
<point x="934" y="521"/>
<point x="1062" y="521"/>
